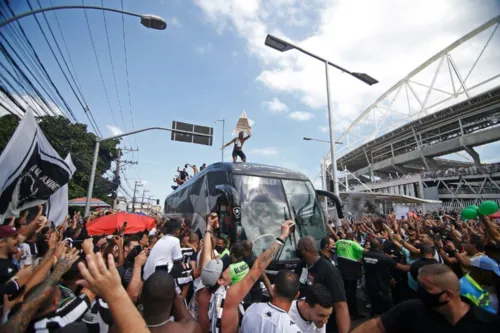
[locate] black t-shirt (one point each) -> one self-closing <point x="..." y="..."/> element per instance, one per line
<point x="183" y="175"/>
<point x="419" y="264"/>
<point x="413" y="317"/>
<point x="377" y="267"/>
<point x="350" y="269"/>
<point x="7" y="270"/>
<point x="322" y="272"/>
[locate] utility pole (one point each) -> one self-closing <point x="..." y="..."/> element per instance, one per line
<point x="137" y="183"/>
<point x="143" y="194"/>
<point x="119" y="165"/>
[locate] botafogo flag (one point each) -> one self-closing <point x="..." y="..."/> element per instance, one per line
<point x="56" y="209"/>
<point x="31" y="169"/>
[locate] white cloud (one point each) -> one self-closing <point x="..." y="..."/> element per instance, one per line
<point x="393" y="38"/>
<point x="205" y="48"/>
<point x="174" y="21"/>
<point x="267" y="151"/>
<point x="324" y="129"/>
<point x="275" y="106"/>
<point x="114" y="130"/>
<point x="301" y="115"/>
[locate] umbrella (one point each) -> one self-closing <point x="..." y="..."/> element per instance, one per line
<point x="108" y="224"/>
<point x="94" y="203"/>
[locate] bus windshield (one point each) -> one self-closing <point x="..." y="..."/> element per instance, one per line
<point x="264" y="204"/>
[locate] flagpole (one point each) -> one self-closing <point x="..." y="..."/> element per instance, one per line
<point x="96" y="154"/>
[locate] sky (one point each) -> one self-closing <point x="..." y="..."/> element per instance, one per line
<point x="211" y="63"/>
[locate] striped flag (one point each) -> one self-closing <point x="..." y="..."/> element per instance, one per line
<point x="32" y="170"/>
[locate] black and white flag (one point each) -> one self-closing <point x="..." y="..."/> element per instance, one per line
<point x="31" y="170"/>
<point x="56" y="209"/>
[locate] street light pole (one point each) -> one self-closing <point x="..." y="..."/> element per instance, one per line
<point x="332" y="134"/>
<point x="149" y="21"/>
<point x="223" y="142"/>
<point x="283" y="46"/>
<point x="96" y="153"/>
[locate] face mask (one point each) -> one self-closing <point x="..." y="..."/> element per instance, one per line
<point x="298" y="253"/>
<point x="430" y="300"/>
<point x="219" y="248"/>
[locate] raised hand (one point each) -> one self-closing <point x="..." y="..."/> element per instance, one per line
<point x="285" y="228"/>
<point x="99" y="279"/>
<point x="88" y="246"/>
<point x="140" y="259"/>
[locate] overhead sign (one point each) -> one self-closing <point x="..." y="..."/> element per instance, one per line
<point x="192" y="138"/>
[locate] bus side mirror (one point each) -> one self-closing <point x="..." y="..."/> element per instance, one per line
<point x="230" y="194"/>
<point x="336" y="200"/>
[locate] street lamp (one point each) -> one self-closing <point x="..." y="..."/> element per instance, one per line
<point x="98" y="141"/>
<point x="149" y="21"/>
<point x="325" y="141"/>
<point x="283" y="46"/>
<point x="223" y="121"/>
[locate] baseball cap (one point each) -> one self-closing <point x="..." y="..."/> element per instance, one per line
<point x="211" y="272"/>
<point x="7" y="231"/>
<point x="486" y="263"/>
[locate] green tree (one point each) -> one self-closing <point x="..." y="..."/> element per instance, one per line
<point x="67" y="137"/>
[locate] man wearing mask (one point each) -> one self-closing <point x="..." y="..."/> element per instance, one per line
<point x="221" y="246"/>
<point x="328" y="249"/>
<point x="315" y="269"/>
<point x="166" y="251"/>
<point x="474" y="286"/>
<point x="439" y="309"/>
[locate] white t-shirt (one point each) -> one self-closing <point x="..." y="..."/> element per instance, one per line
<point x="304" y="326"/>
<point x="267" y="318"/>
<point x="165" y="252"/>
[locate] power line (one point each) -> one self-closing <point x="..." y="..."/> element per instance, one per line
<point x="35" y="71"/>
<point x="98" y="64"/>
<point x="127" y="76"/>
<point x="85" y="109"/>
<point x="42" y="66"/>
<point x="113" y="67"/>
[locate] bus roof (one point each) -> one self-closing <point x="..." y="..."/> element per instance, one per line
<point x="254" y="169"/>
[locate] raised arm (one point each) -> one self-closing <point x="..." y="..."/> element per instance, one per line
<point x="237" y="292"/>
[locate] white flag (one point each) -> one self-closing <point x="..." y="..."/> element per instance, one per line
<point x="244" y="124"/>
<point x="56" y="209"/>
<point x="31" y="169"/>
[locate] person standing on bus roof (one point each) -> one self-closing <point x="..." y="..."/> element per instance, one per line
<point x="238" y="146"/>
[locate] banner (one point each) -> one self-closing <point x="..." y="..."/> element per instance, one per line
<point x="244" y="124"/>
<point x="56" y="209"/>
<point x="31" y="169"/>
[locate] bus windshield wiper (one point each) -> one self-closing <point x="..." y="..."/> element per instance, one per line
<point x="299" y="223"/>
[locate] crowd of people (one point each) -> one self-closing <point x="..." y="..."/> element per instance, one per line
<point x="423" y="274"/>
